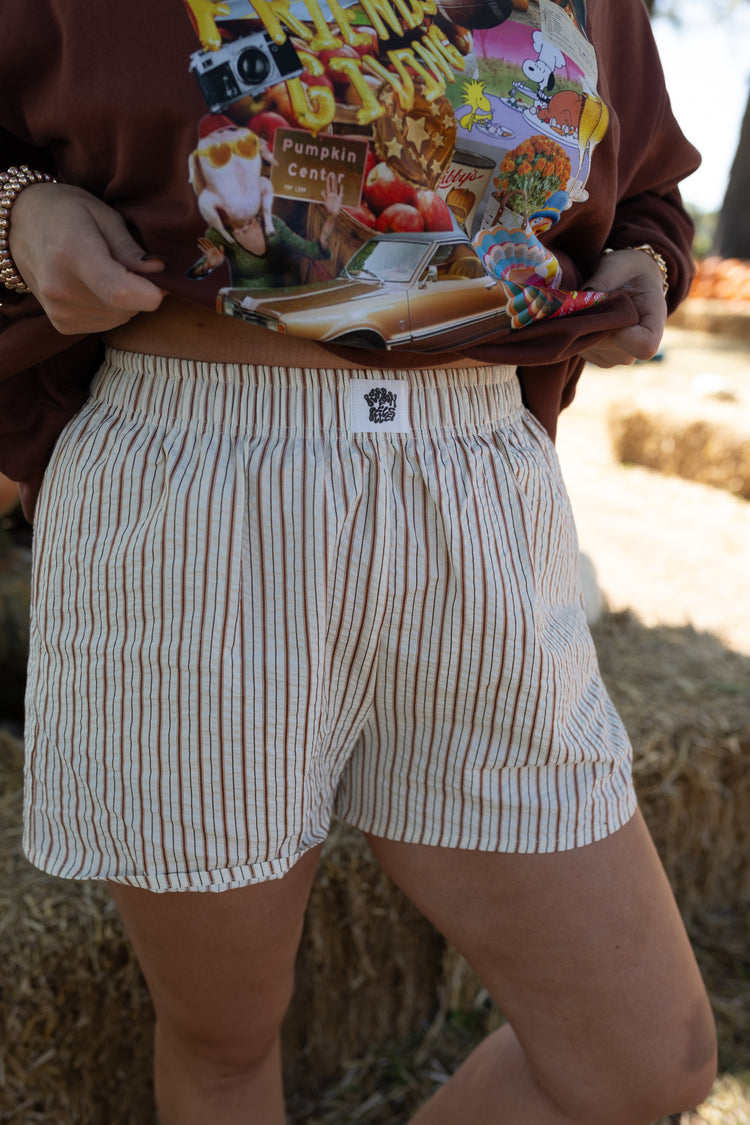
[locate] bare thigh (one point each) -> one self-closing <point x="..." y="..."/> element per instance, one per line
<point x="220" y="966"/>
<point x="585" y="954"/>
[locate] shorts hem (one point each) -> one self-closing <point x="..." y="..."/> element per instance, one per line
<point x="215" y="880"/>
<point x="576" y="836"/>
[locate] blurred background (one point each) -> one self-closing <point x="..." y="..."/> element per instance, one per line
<point x="705" y="51"/>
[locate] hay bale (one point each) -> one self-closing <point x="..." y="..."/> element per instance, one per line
<point x="15" y="566"/>
<point x="78" y="1018"/>
<point x="368" y="970"/>
<point x="9" y="498"/>
<point x="70" y="991"/>
<point x="383" y="1009"/>
<point x="729" y="319"/>
<point x="702" y="441"/>
<point x="685" y="700"/>
<point x="720" y="941"/>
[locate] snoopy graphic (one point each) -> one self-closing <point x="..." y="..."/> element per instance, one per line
<point x="542" y="69"/>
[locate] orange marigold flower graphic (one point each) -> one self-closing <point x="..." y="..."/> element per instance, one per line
<point x="530" y="173"/>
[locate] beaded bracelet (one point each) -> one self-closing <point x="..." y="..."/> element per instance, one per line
<point x="12" y="184"/>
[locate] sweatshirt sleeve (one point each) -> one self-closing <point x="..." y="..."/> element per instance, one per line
<point x="644" y="159"/>
<point x="43" y="376"/>
<point x="13" y="152"/>
<point x="653" y="155"/>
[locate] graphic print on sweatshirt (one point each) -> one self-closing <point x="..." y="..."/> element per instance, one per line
<point x="373" y="173"/>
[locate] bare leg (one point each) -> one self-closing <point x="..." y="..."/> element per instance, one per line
<point x="586" y="955"/>
<point x="220" y="971"/>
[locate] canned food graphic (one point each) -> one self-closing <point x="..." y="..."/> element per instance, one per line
<point x="463" y="184"/>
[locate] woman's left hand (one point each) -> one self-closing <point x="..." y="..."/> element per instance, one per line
<point x="640" y="276"/>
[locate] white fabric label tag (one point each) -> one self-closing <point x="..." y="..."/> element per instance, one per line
<point x="380" y="406"/>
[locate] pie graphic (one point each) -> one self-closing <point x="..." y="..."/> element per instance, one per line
<point x="417" y="143"/>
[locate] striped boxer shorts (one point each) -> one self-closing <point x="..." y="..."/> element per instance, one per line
<point x="266" y="596"/>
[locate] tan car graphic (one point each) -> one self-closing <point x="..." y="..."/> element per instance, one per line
<point x="427" y="292"/>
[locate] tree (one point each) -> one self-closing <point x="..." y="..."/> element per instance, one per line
<point x="732" y="233"/>
<point x="732" y="237"/>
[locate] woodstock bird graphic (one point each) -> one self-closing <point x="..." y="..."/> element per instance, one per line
<point x="226" y="176"/>
<point x="479" y="105"/>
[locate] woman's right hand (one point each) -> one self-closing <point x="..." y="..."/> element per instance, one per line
<point x="79" y="259"/>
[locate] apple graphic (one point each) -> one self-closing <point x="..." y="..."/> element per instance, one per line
<point x="383" y="187"/>
<point x="370" y="160"/>
<point x="265" y="125"/>
<point x="339" y="78"/>
<point x="370" y="48"/>
<point x="435" y="212"/>
<point x="400" y="217"/>
<point x="280" y="101"/>
<point x="241" y="110"/>
<point x="362" y="214"/>
<point x="316" y="79"/>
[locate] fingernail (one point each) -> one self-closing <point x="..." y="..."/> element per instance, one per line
<point x="153" y="258"/>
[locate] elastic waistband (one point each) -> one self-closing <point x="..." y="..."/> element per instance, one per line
<point x="242" y="398"/>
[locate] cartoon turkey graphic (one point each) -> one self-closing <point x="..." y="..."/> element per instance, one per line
<point x="226" y="176"/>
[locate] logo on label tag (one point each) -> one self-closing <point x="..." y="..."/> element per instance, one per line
<point x="380" y="406"/>
<point x="382" y="403"/>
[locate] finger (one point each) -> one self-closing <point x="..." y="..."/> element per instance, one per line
<point x="150" y="263"/>
<point x="607" y="357"/>
<point x="641" y="340"/>
<point x="121" y="244"/>
<point x="624" y="347"/>
<point x="118" y="288"/>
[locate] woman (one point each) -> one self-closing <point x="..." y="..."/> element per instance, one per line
<point x="277" y="577"/>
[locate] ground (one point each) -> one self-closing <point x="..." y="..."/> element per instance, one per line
<point x="673" y="551"/>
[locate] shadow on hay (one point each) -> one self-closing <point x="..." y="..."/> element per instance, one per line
<point x="383" y="1010"/>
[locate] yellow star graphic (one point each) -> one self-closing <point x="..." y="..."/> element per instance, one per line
<point x="417" y="133"/>
<point x="394" y="147"/>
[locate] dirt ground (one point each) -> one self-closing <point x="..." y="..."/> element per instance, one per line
<point x="673" y="551"/>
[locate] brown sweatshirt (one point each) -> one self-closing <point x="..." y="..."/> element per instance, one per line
<point x="132" y="102"/>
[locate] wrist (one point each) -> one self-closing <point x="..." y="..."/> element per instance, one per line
<point x="12" y="183"/>
<point x="655" y="256"/>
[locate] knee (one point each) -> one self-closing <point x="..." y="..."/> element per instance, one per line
<point x="684" y="1070"/>
<point x="682" y="1081"/>
<point x="674" y="1077"/>
<point x="218" y="1053"/>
